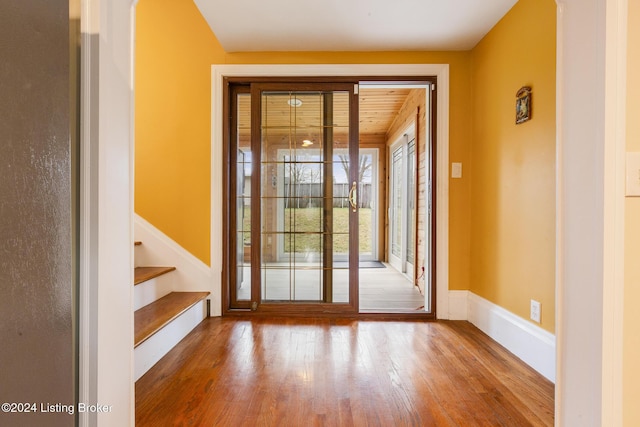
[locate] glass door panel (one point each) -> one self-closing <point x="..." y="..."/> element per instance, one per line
<point x="240" y="199"/>
<point x="303" y="222"/>
<point x="368" y="194"/>
<point x="367" y="198"/>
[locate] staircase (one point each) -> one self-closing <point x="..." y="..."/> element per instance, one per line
<point x="163" y="315"/>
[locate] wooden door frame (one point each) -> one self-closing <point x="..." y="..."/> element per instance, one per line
<point x="255" y="86"/>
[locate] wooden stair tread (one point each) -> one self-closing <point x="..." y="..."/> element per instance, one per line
<point x="142" y="274"/>
<point x="151" y="318"/>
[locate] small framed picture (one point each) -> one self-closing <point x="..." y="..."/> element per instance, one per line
<point x="523" y="104"/>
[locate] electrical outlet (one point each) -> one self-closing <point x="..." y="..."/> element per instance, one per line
<point x="535" y="311"/>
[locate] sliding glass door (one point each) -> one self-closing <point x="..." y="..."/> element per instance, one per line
<point x="293" y="147"/>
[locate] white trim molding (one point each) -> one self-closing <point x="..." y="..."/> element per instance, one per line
<point x="614" y="212"/>
<point x="441" y="71"/>
<point x="105" y="312"/>
<point x="559" y="292"/>
<point x="159" y="249"/>
<point x="532" y="344"/>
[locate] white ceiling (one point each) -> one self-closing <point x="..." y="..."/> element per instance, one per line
<point x="351" y="25"/>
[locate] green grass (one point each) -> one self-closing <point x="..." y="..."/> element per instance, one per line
<point x="305" y="227"/>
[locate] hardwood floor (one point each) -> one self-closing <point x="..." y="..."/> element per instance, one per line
<point x="327" y="372"/>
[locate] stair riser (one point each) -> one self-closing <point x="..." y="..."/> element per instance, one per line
<point x="155" y="347"/>
<point x="151" y="290"/>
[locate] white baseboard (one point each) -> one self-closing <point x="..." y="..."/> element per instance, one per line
<point x="155" y="347"/>
<point x="158" y="249"/>
<point x="535" y="346"/>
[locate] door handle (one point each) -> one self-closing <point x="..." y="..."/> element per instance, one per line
<point x="353" y="196"/>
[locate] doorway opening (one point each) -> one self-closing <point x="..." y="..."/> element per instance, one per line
<point x="291" y="148"/>
<point x="308" y="191"/>
<point x="398" y="118"/>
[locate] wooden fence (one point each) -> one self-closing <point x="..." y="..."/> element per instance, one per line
<point x="307" y="195"/>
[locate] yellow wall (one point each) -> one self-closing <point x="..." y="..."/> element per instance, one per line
<point x="174" y="53"/>
<point x="513" y="166"/>
<point x="174" y="50"/>
<point x="631" y="355"/>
